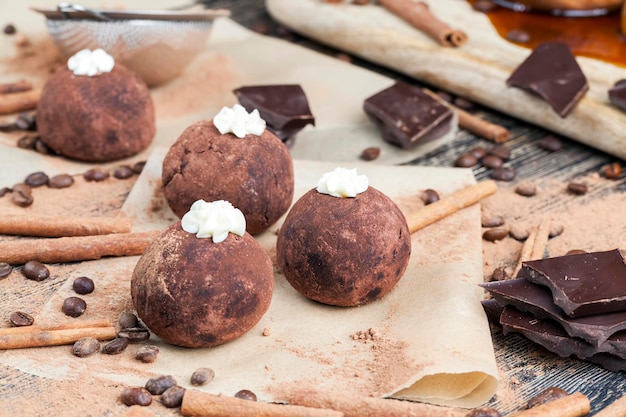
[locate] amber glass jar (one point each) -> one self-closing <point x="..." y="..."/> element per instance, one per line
<point x="564" y="7"/>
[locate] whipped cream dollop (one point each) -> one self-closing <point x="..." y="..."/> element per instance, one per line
<point x="342" y="182"/>
<point x="238" y="121"/>
<point x="215" y="219"/>
<point x="90" y="63"/>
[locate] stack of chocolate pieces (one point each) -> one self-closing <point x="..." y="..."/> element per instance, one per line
<point x="574" y="306"/>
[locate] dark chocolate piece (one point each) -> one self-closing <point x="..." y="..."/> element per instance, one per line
<point x="617" y="94"/>
<point x="582" y="284"/>
<point x="551" y="71"/>
<point x="284" y="108"/>
<point x="407" y="115"/>
<point x="537" y="300"/>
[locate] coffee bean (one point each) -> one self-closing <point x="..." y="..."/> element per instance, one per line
<point x="245" y="394"/>
<point x="499" y="274"/>
<point x="519" y="233"/>
<point x="370" y="154"/>
<point x="483" y="412"/>
<point x="501" y="151"/>
<point x="158" y="385"/>
<point x="123" y="172"/>
<point x="138" y="167"/>
<point x="556" y="229"/>
<point x="42" y="148"/>
<point x="74" y="306"/>
<point x="173" y="397"/>
<point x="115" y="346"/>
<point x="147" y="354"/>
<point x="5" y="269"/>
<point x="9" y="29"/>
<point x="83" y="285"/>
<point x="95" y="175"/>
<point x="136" y="396"/>
<point x="85" y="347"/>
<point x="497" y="233"/>
<point x="479" y="152"/>
<point x="21" y="195"/>
<point x="202" y="376"/>
<point x="429" y="196"/>
<point x="612" y="171"/>
<point x="526" y="189"/>
<point x="548" y="395"/>
<point x="21" y="319"/>
<point x="575" y="252"/>
<point x="4" y="190"/>
<point x="503" y="174"/>
<point x="518" y="36"/>
<point x="492" y="221"/>
<point x="128" y="320"/>
<point x="135" y="334"/>
<point x="465" y="160"/>
<point x="551" y="143"/>
<point x="577" y="188"/>
<point x="484" y="5"/>
<point x="35" y="270"/>
<point x="492" y="161"/>
<point x="61" y="181"/>
<point x="26" y="121"/>
<point x="27" y="142"/>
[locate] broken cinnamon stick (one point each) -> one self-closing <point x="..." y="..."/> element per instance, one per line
<point x="482" y="127"/>
<point x="54" y="226"/>
<point x="15" y="87"/>
<point x="202" y="404"/>
<point x="616" y="409"/>
<point x="71" y="249"/>
<point x="41" y="338"/>
<point x="65" y="326"/>
<point x="541" y="240"/>
<point x="16" y="102"/>
<point x="526" y="252"/>
<point x="573" y="405"/>
<point x="450" y="204"/>
<point x="418" y="14"/>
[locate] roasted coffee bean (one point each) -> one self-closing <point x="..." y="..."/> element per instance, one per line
<point x="21" y="319"/>
<point x="492" y="161"/>
<point x="370" y="154"/>
<point x="202" y="376"/>
<point x="158" y="384"/>
<point x="35" y="270"/>
<point x="519" y="233"/>
<point x="136" y="396"/>
<point x="135" y="334"/>
<point x="115" y="346"/>
<point x="21" y="195"/>
<point x="74" y="306"/>
<point x="483" y="412"/>
<point x="138" y="167"/>
<point x="26" y="121"/>
<point x="484" y="5"/>
<point x="147" y="354"/>
<point x="173" y="397"/>
<point x="548" y="395"/>
<point x="95" y="175"/>
<point x="85" y="347"/>
<point x="503" y="174"/>
<point x="128" y="320"/>
<point x="246" y="394"/>
<point x="577" y="188"/>
<point x="492" y="221"/>
<point x="464" y="104"/>
<point x="5" y="269"/>
<point x="479" y="152"/>
<point x="575" y="252"/>
<point x="83" y="285"/>
<point x="123" y="172"/>
<point x="429" y="196"/>
<point x="501" y="151"/>
<point x="499" y="274"/>
<point x="494" y="234"/>
<point x="61" y="181"/>
<point x="556" y="229"/>
<point x="551" y="143"/>
<point x="27" y="141"/>
<point x="42" y="148"/>
<point x="526" y="189"/>
<point x="36" y="179"/>
<point x="4" y="190"/>
<point x="612" y="171"/>
<point x="9" y="29"/>
<point x="517" y="36"/>
<point x="465" y="160"/>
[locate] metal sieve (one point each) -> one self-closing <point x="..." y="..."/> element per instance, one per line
<point x="157" y="44"/>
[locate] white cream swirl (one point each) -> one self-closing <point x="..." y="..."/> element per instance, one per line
<point x="342" y="182"/>
<point x="215" y="219"/>
<point x="90" y="63"/>
<point x="238" y="121"/>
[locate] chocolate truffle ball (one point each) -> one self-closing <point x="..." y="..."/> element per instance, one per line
<point x="193" y="292"/>
<point x="344" y="251"/>
<point x="101" y="118"/>
<point x="254" y="173"/>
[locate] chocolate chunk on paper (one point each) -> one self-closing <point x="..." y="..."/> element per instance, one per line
<point x="551" y="72"/>
<point x="582" y="284"/>
<point x="408" y="115"/>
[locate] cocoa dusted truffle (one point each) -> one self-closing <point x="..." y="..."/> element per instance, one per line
<point x="95" y="114"/>
<point x="246" y="165"/>
<point x="344" y="243"/>
<point x="204" y="281"/>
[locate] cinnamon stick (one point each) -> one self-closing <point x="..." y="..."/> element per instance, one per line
<point x="64" y="326"/>
<point x="573" y="405"/>
<point x="15" y="87"/>
<point x="55" y="226"/>
<point x="450" y="204"/>
<point x="202" y="404"/>
<point x="482" y="127"/>
<point x="527" y="250"/>
<point x="16" y="102"/>
<point x="616" y="409"/>
<point x="41" y="338"/>
<point x="541" y="240"/>
<point x="71" y="249"/>
<point x="418" y="14"/>
<point x="357" y="406"/>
